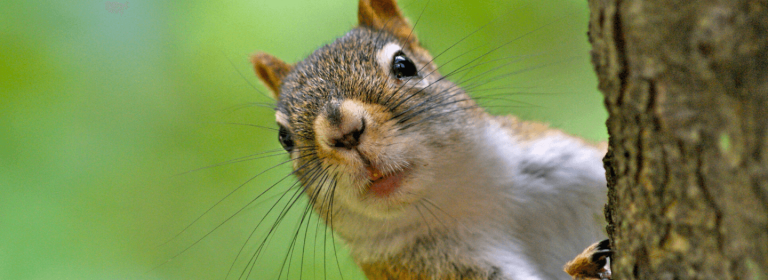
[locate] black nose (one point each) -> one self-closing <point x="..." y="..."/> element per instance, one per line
<point x="351" y="139"/>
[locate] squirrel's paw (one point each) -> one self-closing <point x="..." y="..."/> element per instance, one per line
<point x="591" y="264"/>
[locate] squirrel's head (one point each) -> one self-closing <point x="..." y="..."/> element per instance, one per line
<point x="365" y="117"/>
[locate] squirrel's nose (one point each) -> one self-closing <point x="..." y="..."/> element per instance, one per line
<point x="349" y="139"/>
<point x="341" y="125"/>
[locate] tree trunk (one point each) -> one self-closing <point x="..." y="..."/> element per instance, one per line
<point x="686" y="88"/>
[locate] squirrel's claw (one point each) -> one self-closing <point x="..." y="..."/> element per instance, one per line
<point x="590" y="264"/>
<point x="601" y="252"/>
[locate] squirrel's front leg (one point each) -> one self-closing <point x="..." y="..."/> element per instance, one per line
<point x="590" y="264"/>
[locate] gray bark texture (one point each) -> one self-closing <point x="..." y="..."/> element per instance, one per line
<point x="686" y="88"/>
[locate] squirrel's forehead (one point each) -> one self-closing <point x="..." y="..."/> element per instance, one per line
<point x="359" y="43"/>
<point x="350" y="64"/>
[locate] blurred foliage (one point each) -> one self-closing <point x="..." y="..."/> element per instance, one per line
<point x="103" y="112"/>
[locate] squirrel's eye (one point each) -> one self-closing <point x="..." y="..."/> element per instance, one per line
<point x="285" y="139"/>
<point x="402" y="66"/>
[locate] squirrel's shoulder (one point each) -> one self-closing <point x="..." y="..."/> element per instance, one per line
<point x="526" y="132"/>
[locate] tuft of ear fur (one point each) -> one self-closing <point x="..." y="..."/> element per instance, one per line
<point x="271" y="70"/>
<point x="384" y="15"/>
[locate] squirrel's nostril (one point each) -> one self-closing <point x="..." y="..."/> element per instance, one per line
<point x="359" y="132"/>
<point x="350" y="139"/>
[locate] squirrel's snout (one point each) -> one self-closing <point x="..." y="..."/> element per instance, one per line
<point x="351" y="138"/>
<point x="342" y="126"/>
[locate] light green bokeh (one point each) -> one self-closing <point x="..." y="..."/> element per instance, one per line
<point x="99" y="111"/>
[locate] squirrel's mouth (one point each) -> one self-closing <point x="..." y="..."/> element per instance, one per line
<point x="384" y="185"/>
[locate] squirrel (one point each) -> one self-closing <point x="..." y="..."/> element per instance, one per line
<point x="378" y="138"/>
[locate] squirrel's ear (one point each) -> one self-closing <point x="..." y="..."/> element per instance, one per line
<point x="271" y="70"/>
<point x="384" y="15"/>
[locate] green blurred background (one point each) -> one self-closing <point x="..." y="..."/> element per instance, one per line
<point x="102" y="113"/>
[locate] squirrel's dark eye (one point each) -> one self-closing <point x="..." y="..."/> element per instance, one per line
<point x="285" y="139"/>
<point x="402" y="66"/>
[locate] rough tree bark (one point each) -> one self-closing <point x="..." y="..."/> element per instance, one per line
<point x="686" y="87"/>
